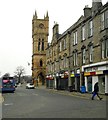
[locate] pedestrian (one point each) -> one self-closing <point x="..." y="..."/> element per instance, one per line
<point x="95" y="92"/>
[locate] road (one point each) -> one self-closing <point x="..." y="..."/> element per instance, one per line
<point x="41" y="103"/>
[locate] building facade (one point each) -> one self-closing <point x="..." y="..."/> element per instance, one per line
<point x="40" y="32"/>
<point x="79" y="56"/>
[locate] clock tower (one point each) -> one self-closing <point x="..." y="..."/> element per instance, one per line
<point x="40" y="32"/>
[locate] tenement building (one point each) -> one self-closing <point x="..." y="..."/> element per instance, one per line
<point x="79" y="57"/>
<point x="40" y="32"/>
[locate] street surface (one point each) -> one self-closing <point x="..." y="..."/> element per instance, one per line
<point x="41" y="103"/>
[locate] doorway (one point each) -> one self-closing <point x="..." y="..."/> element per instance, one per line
<point x="89" y="83"/>
<point x="41" y="79"/>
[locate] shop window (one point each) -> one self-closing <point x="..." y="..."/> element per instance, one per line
<point x="89" y="83"/>
<point x="102" y="83"/>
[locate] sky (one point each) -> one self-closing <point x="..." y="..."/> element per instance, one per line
<point x="16" y="27"/>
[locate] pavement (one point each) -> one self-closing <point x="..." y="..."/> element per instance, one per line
<point x="1" y="98"/>
<point x="75" y="94"/>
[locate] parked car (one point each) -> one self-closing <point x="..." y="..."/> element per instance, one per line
<point x="30" y="86"/>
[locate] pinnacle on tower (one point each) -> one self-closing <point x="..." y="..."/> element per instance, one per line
<point x="35" y="14"/>
<point x="47" y="14"/>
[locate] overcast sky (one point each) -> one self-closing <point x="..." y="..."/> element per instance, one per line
<point x="16" y="27"/>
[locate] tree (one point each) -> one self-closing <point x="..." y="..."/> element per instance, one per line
<point x="19" y="72"/>
<point x="6" y="75"/>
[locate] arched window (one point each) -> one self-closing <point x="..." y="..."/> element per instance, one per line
<point x="39" y="45"/>
<point x="42" y="44"/>
<point x="41" y="63"/>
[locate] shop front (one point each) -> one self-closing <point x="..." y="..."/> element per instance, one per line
<point x="75" y="82"/>
<point x="62" y="80"/>
<point x="98" y="76"/>
<point x="49" y="81"/>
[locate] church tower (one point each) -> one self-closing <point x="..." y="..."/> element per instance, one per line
<point x="40" y="32"/>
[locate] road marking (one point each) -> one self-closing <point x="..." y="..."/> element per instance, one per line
<point x="35" y="94"/>
<point x="6" y="104"/>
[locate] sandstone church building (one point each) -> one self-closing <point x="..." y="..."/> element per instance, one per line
<point x="40" y="32"/>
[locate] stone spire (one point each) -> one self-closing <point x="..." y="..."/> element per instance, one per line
<point x="47" y="15"/>
<point x="35" y="14"/>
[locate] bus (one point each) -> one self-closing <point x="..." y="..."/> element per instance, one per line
<point x="7" y="84"/>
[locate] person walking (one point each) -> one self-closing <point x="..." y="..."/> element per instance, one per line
<point x="95" y="92"/>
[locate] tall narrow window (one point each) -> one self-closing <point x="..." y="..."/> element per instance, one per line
<point x="90" y="28"/>
<point x="64" y="43"/>
<point x="75" y="55"/>
<point x="75" y="38"/>
<point x="83" y="33"/>
<point x="39" y="45"/>
<point x="42" y="44"/>
<point x="83" y="56"/>
<point x="105" y="49"/>
<point x="102" y="21"/>
<point x="41" y="63"/>
<point x="60" y="46"/>
<point x="91" y="54"/>
<point x="106" y="19"/>
<point x="65" y="62"/>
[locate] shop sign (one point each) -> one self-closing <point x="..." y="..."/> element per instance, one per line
<point x="92" y="73"/>
<point x="72" y="75"/>
<point x="77" y="75"/>
<point x="89" y="73"/>
<point x="99" y="72"/>
<point x="86" y="73"/>
<point x="105" y="71"/>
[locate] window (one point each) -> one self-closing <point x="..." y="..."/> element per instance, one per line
<point x="105" y="49"/>
<point x="106" y="19"/>
<point x="42" y="44"/>
<point x="65" y="62"/>
<point x="39" y="45"/>
<point x="83" y="55"/>
<point x="60" y="46"/>
<point x="83" y="33"/>
<point x="91" y="54"/>
<point x="65" y="43"/>
<point x="90" y="28"/>
<point x="75" y="38"/>
<point x="41" y="63"/>
<point x="75" y="58"/>
<point x="102" y="21"/>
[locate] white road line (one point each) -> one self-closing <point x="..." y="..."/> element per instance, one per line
<point x="6" y="104"/>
